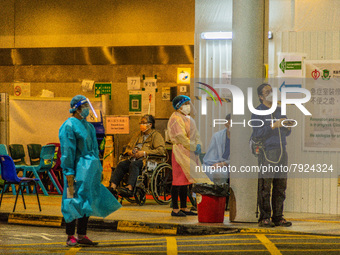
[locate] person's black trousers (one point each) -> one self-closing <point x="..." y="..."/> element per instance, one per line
<point x="275" y="179"/>
<point x="183" y="192"/>
<point x="81" y="226"/>
<point x="124" y="167"/>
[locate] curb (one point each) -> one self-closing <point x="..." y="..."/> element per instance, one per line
<point x="143" y="227"/>
<point x="118" y="225"/>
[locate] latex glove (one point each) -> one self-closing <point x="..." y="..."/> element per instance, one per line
<point x="198" y="149"/>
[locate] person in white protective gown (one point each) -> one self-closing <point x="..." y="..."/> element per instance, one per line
<point x="185" y="150"/>
<point x="83" y="195"/>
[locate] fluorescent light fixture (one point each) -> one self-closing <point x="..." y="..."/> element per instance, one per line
<point x="224" y="35"/>
<point x="217" y="35"/>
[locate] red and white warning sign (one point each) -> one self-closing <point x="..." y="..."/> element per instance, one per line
<point x="22" y="89"/>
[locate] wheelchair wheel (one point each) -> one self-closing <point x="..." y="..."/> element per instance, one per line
<point x="161" y="182"/>
<point x="140" y="196"/>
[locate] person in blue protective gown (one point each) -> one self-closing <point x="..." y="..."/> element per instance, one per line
<point x="84" y="195"/>
<point x="218" y="154"/>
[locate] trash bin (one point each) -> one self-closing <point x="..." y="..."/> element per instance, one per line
<point x="211" y="202"/>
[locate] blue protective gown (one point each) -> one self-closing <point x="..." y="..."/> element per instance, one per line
<point x="80" y="157"/>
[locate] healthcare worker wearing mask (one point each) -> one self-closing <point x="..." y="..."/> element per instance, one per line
<point x="185" y="154"/>
<point x="84" y="195"/>
<point x="145" y="142"/>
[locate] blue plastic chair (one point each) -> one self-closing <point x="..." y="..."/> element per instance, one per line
<point x="4" y="151"/>
<point x="9" y="175"/>
<point x="45" y="165"/>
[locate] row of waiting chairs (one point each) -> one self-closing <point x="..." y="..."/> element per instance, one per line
<point x="44" y="162"/>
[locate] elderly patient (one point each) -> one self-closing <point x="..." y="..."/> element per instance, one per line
<point x="147" y="141"/>
<point x="218" y="153"/>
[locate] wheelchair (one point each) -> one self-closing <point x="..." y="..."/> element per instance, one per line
<point x="155" y="179"/>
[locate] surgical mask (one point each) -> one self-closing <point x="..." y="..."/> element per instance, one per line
<point x="186" y="109"/>
<point x="85" y="112"/>
<point x="269" y="98"/>
<point x="143" y="127"/>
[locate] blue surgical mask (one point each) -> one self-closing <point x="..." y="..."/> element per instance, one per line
<point x="85" y="112"/>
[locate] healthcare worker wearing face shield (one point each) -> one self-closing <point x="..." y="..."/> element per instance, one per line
<point x="84" y="195"/>
<point x="145" y="142"/>
<point x="185" y="154"/>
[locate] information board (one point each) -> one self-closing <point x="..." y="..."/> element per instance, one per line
<point x="117" y="125"/>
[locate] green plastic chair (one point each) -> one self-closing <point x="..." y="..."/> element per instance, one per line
<point x="45" y="165"/>
<point x="34" y="153"/>
<point x="18" y="154"/>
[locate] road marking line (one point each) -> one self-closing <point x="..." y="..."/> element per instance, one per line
<point x="171" y="246"/>
<point x="269" y="245"/>
<point x="72" y="251"/>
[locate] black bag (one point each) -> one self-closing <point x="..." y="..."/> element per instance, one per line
<point x="211" y="189"/>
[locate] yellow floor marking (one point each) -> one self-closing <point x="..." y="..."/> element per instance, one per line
<point x="72" y="251"/>
<point x="310" y="220"/>
<point x="202" y="251"/>
<point x="311" y="250"/>
<point x="218" y="244"/>
<point x="268" y="244"/>
<point x="216" y="239"/>
<point x="171" y="246"/>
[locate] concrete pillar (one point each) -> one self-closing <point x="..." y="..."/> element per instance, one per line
<point x="248" y="58"/>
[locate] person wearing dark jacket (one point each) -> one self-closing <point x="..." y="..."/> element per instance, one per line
<point x="273" y="155"/>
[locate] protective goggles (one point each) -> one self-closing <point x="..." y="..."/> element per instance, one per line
<point x="85" y="101"/>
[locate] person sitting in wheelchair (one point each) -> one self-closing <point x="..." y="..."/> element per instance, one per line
<point x="146" y="142"/>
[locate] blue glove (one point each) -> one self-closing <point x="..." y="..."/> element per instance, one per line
<point x="198" y="149"/>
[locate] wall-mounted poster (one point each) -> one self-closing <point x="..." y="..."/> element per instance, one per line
<point x="135" y="102"/>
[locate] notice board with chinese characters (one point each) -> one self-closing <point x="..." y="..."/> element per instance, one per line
<point x="322" y="128"/>
<point x="117" y="125"/>
<point x="102" y="88"/>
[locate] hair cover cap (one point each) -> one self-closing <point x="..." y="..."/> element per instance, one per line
<point x="179" y="100"/>
<point x="74" y="101"/>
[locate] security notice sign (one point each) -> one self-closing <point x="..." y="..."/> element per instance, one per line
<point x="322" y="128"/>
<point x="117" y="125"/>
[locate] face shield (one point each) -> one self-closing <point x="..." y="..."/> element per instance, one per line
<point x="86" y="104"/>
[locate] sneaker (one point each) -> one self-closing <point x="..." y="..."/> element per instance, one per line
<point x="189" y="213"/>
<point x="282" y="223"/>
<point x="71" y="241"/>
<point x="179" y="214"/>
<point x="266" y="223"/>
<point x="86" y="241"/>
